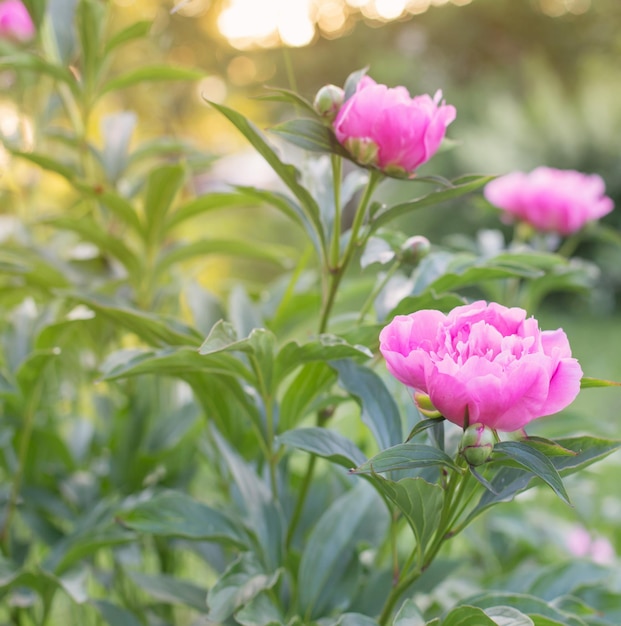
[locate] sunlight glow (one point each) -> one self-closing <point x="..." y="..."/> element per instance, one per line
<point x="271" y="23"/>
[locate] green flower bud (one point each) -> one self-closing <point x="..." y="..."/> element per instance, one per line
<point x="415" y="249"/>
<point x="328" y="101"/>
<point x="477" y="444"/>
<point x="363" y="150"/>
<point x="424" y="406"/>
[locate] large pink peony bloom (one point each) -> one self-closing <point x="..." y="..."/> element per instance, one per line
<point x="387" y="129"/>
<point x="551" y="200"/>
<point x="485" y="361"/>
<point x="15" y="21"/>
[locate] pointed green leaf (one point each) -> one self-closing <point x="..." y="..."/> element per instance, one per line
<point x="390" y="213"/>
<point x="351" y="83"/>
<point x="527" y="604"/>
<point x="420" y="503"/>
<point x="508" y="616"/>
<point x="588" y="382"/>
<point x="536" y="462"/>
<point x="170" y="362"/>
<point x="115" y="615"/>
<point x="272" y="253"/>
<point x="260" y="611"/>
<point x="324" y="443"/>
<point x="379" y="409"/>
<point x="137" y="30"/>
<point x="155" y="329"/>
<point x="47" y="163"/>
<point x="468" y="616"/>
<point x="170" y="589"/>
<point x="151" y="74"/>
<point x="311" y="135"/>
<point x="163" y="184"/>
<point x="427" y="300"/>
<point x="26" y="61"/>
<point x="409" y="615"/>
<point x="325" y="347"/>
<point x="422" y="426"/>
<point x="331" y="544"/>
<point x="206" y="203"/>
<point x="92" y="232"/>
<point x="238" y="586"/>
<point x="406" y="456"/>
<point x="287" y="173"/>
<point x="277" y="94"/>
<point x="114" y="202"/>
<point x="174" y="514"/>
<point x="355" y="619"/>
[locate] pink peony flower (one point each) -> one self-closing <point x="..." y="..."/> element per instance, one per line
<point x="15" y="21"/>
<point x="483" y="361"/>
<point x="389" y="130"/>
<point x="580" y="543"/>
<point x="560" y="201"/>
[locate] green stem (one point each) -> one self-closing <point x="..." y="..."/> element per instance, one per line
<point x="394" y="595"/>
<point x="376" y="291"/>
<point x="337" y="170"/>
<point x="299" y="504"/>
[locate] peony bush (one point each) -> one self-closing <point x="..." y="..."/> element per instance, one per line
<point x="173" y="456"/>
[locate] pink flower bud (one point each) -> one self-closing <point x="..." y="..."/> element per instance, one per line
<point x="15" y="21"/>
<point x="328" y="101"/>
<point x="550" y="200"/>
<point x="477" y="444"/>
<point x="407" y="131"/>
<point x="484" y="361"/>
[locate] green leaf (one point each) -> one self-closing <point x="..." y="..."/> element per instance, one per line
<point x="564" y="578"/>
<point x="163" y="184"/>
<point x="260" y="611"/>
<point x="325" y="347"/>
<point x="420" y="503"/>
<point x="355" y="619"/>
<point x="287" y="173"/>
<point x="137" y="30"/>
<point x="536" y="462"/>
<point x="237" y="587"/>
<point x="406" y="456"/>
<point x="509" y="481"/>
<point x="331" y="547"/>
<point x="468" y="616"/>
<point x="379" y="409"/>
<point x="29" y="374"/>
<point x="155" y="329"/>
<point x="115" y="615"/>
<point x="409" y="615"/>
<point x="306" y="392"/>
<point x="548" y="447"/>
<point x="206" y="203"/>
<point x="90" y="17"/>
<point x="311" y="135"/>
<point x="151" y="74"/>
<point x="351" y="83"/>
<point x="170" y="589"/>
<point x="170" y="362"/>
<point x="47" y="163"/>
<point x="174" y="514"/>
<point x="390" y="213"/>
<point x="324" y="443"/>
<point x="422" y="426"/>
<point x="27" y="61"/>
<point x="92" y="232"/>
<point x="114" y="202"/>
<point x="508" y="616"/>
<point x="588" y="382"/>
<point x="272" y="253"/>
<point x="527" y="604"/>
<point x="278" y="94"/>
<point x="258" y="505"/>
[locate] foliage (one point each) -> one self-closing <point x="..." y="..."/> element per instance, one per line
<point x="169" y="455"/>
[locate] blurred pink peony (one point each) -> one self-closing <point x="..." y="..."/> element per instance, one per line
<point x="580" y="543"/>
<point x="551" y="200"/>
<point x="483" y="361"/>
<point x="387" y="129"/>
<point x="15" y="21"/>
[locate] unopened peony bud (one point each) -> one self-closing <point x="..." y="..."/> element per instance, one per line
<point x="477" y="444"/>
<point x="423" y="404"/>
<point x="328" y="101"/>
<point x="415" y="249"/>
